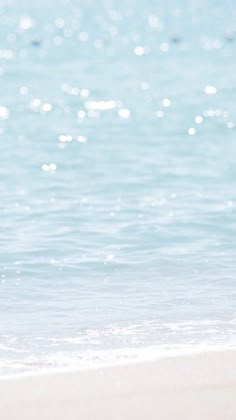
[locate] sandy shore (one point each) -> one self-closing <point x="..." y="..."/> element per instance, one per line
<point x="197" y="387"/>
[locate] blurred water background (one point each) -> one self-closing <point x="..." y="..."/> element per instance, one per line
<point x="117" y="180"/>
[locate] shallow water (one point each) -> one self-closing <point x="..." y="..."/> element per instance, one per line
<point x="117" y="144"/>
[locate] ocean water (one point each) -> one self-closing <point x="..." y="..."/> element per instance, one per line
<point x="117" y="180"/>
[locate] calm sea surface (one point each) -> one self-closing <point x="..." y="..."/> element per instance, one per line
<point x="117" y="180"/>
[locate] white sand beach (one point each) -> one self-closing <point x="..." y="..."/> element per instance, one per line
<point x="196" y="387"/>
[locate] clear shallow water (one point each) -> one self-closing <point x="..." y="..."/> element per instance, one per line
<point x="117" y="180"/>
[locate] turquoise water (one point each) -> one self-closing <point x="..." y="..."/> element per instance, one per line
<point x="117" y="180"/>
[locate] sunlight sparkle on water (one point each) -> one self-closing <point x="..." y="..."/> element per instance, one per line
<point x="166" y="102"/>
<point x="198" y="119"/>
<point x="139" y="50"/>
<point x="4" y="113"/>
<point x="191" y="131"/>
<point x="124" y="113"/>
<point x="100" y="105"/>
<point x="210" y="90"/>
<point x="51" y="167"/>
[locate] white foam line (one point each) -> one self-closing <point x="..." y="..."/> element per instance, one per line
<point x="164" y="353"/>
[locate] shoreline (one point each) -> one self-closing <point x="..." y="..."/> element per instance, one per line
<point x="154" y="356"/>
<point x="198" y="386"/>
